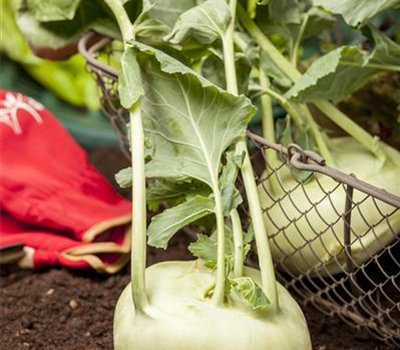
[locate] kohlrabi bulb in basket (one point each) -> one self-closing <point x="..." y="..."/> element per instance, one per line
<point x="182" y="318"/>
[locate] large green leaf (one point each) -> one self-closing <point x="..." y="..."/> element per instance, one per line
<point x="189" y="121"/>
<point x="204" y="23"/>
<point x="163" y="226"/>
<point x="53" y="10"/>
<point x="284" y="11"/>
<point x="167" y="11"/>
<point x="386" y="51"/>
<point x="333" y="76"/>
<point x="357" y="12"/>
<point x="56" y="34"/>
<point x="38" y="36"/>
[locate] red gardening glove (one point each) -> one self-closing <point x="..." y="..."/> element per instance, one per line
<point x="46" y="181"/>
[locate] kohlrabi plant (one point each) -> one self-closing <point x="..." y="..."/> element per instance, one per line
<point x="331" y="77"/>
<point x="188" y="136"/>
<point x="191" y="125"/>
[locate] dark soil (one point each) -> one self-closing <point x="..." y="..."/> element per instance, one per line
<point x="73" y="310"/>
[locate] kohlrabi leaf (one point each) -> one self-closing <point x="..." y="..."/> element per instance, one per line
<point x="231" y="197"/>
<point x="272" y="71"/>
<point x="189" y="121"/>
<point x="386" y="51"/>
<point x="318" y="21"/>
<point x="146" y="27"/>
<point x="38" y="36"/>
<point x="204" y="23"/>
<point x="56" y="34"/>
<point x="356" y="12"/>
<point x="165" y="190"/>
<point x="249" y="292"/>
<point x="124" y="177"/>
<point x="151" y="29"/>
<point x="167" y="11"/>
<point x="163" y="226"/>
<point x="284" y="11"/>
<point x="53" y="10"/>
<point x="283" y="131"/>
<point x="173" y="193"/>
<point x="333" y="76"/>
<point x="213" y="69"/>
<point x="129" y="81"/>
<point x="206" y="247"/>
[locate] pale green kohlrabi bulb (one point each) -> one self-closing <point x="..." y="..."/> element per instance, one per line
<point x="303" y="242"/>
<point x="182" y="319"/>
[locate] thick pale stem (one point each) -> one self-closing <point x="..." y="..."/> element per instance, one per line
<point x="229" y="53"/>
<point x="124" y="23"/>
<point x="266" y="109"/>
<point x="268" y="128"/>
<point x="264" y="252"/>
<point x="139" y="217"/>
<point x="237" y="243"/>
<point x="218" y="296"/>
<point x="138" y="251"/>
<point x="219" y="293"/>
<point x="293" y="74"/>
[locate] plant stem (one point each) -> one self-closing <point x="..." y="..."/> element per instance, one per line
<point x="219" y="293"/>
<point x="286" y="105"/>
<point x="264" y="252"/>
<point x="319" y="139"/>
<point x="238" y="244"/>
<point x="124" y="23"/>
<point x="251" y="8"/>
<point x="318" y="136"/>
<point x="268" y="128"/>
<point x="229" y="53"/>
<point x="296" y="46"/>
<point x="372" y="65"/>
<point x="138" y="251"/>
<point x="293" y="74"/>
<point x="139" y="218"/>
<point x="280" y="60"/>
<point x="218" y="296"/>
<point x="338" y="117"/>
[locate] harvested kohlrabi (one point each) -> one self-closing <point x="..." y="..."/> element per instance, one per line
<point x="306" y="227"/>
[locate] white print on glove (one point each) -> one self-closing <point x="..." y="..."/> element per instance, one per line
<point x="10" y="106"/>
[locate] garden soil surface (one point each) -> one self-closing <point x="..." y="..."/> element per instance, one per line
<point x="60" y="309"/>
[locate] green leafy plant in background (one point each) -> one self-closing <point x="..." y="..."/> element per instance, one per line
<point x="67" y="79"/>
<point x="331" y="77"/>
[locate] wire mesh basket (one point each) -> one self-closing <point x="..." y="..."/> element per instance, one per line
<point x="327" y="250"/>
